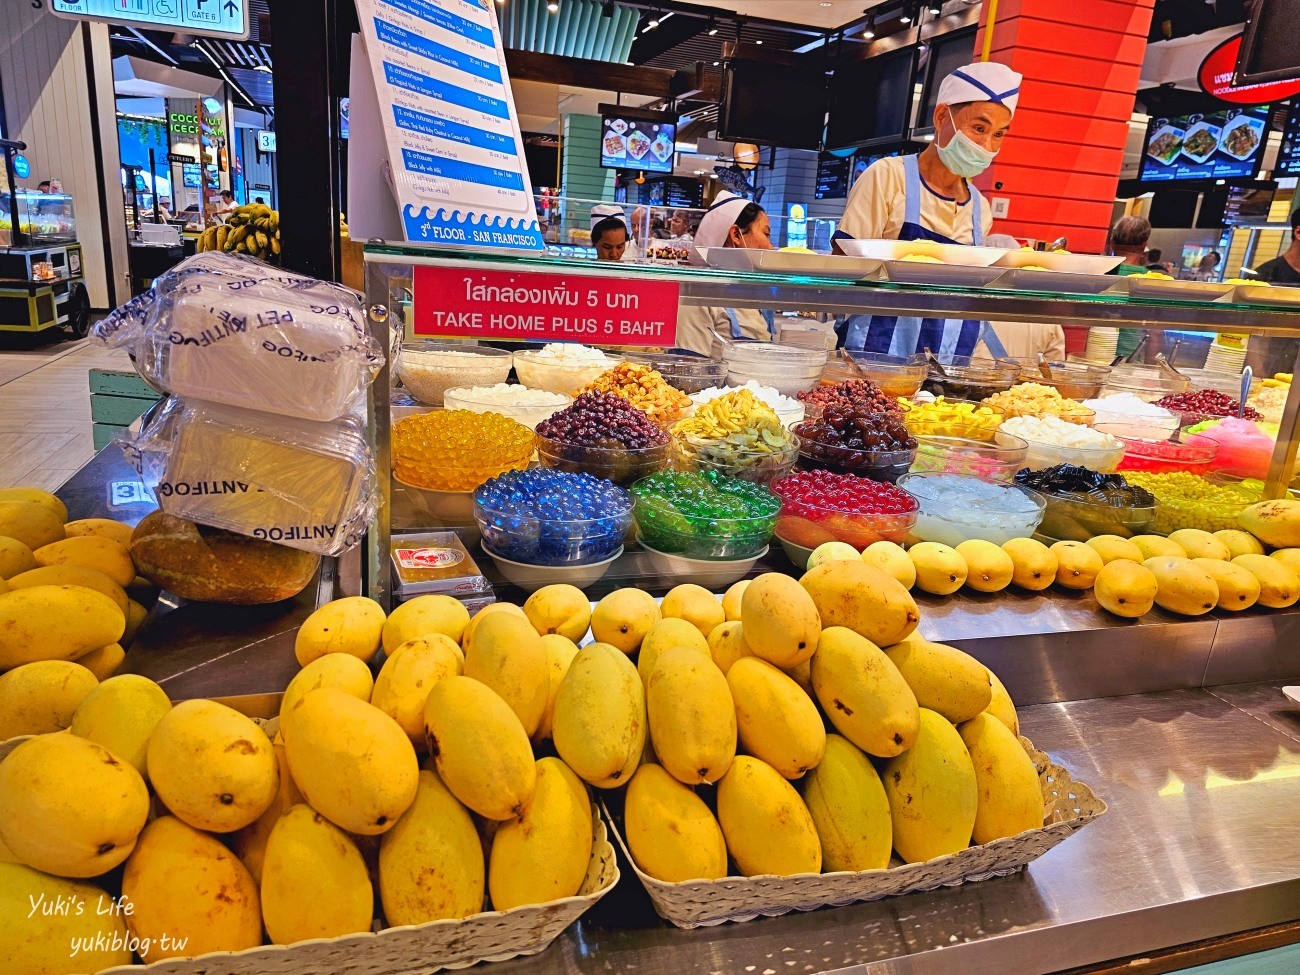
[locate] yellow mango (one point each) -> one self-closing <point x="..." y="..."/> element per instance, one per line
<point x="105" y="661"/>
<point x="1034" y="564"/>
<point x="431" y="862"/>
<point x="212" y="766"/>
<point x="989" y="568"/>
<point x="70" y="574"/>
<point x="599" y="722"/>
<point x="15" y="558"/>
<point x="775" y="720"/>
<point x="249" y="843"/>
<point x="727" y="644"/>
<point x="136" y="614"/>
<point x="435" y="613"/>
<point x="41" y="697"/>
<point x="694" y="604"/>
<point x="1279" y="585"/>
<point x="560" y="651"/>
<point x="1126" y="588"/>
<point x="1238" y="587"/>
<point x="190" y="894"/>
<point x="802" y="675"/>
<point x="1002" y="707"/>
<point x="1114" y="548"/>
<point x="1077" y="565"/>
<point x="314" y="883"/>
<point x="1182" y="586"/>
<point x="55" y="623"/>
<point x="1154" y="546"/>
<point x="350" y="625"/>
<point x="33" y="524"/>
<point x="479" y="747"/>
<point x="623" y="618"/>
<point x="780" y="620"/>
<point x="1010" y="800"/>
<point x="71" y="807"/>
<point x="1238" y="542"/>
<point x="1200" y="544"/>
<point x="847" y="803"/>
<point x="891" y="558"/>
<point x="940" y="570"/>
<point x="932" y="792"/>
<point x="731" y="600"/>
<point x="542" y="855"/>
<point x="766" y="824"/>
<point x="692" y="718"/>
<point x="36" y="496"/>
<point x="831" y="552"/>
<point x="863" y="694"/>
<point x="352" y="763"/>
<point x="671" y="833"/>
<point x="341" y="671"/>
<point x="943" y="678"/>
<point x="867" y="600"/>
<point x="40" y="940"/>
<point x="100" y="528"/>
<point x="103" y="554"/>
<point x="407" y="677"/>
<point x="559" y="609"/>
<point x="1275" y="523"/>
<point x="491" y="608"/>
<point x="507" y="655"/>
<point x="668" y="632"/>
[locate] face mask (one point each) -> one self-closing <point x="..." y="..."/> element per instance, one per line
<point x="963" y="156"/>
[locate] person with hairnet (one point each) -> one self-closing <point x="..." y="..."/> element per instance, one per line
<point x="609" y="231"/>
<point x="929" y="197"/>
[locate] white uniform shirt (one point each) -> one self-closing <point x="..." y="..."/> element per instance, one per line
<point x="696" y="326"/>
<point x="876" y="205"/>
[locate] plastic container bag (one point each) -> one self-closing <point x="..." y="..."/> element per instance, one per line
<point x="306" y="485"/>
<point x="230" y="329"/>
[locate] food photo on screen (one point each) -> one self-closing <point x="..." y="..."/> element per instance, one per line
<point x="1223" y="144"/>
<point x="641" y="140"/>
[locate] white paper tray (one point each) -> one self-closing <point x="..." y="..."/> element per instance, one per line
<point x="791" y="262"/>
<point x="1059" y="282"/>
<point x="893" y="250"/>
<point x="943" y="275"/>
<point x="1055" y="261"/>
<point x="1140" y="287"/>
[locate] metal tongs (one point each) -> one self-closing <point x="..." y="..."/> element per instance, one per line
<point x="853" y="363"/>
<point x="1044" y="368"/>
<point x="1167" y="367"/>
<point x="933" y="360"/>
<point x="1132" y="355"/>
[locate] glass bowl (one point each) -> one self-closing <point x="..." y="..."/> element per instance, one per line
<point x="664" y="528"/>
<point x="896" y="375"/>
<point x="420" y="460"/>
<point x="759" y="466"/>
<point x="788" y="381"/>
<point x="542" y="372"/>
<point x="972" y="378"/>
<point x="1073" y="380"/>
<point x="477" y="399"/>
<point x="622" y="465"/>
<point x="429" y="369"/>
<point x="689" y="373"/>
<point x="807" y="524"/>
<point x="1042" y="454"/>
<point x="993" y="459"/>
<point x="771" y="356"/>
<point x="532" y="540"/>
<point x="1077" y="517"/>
<point x="1164" y="456"/>
<point x="1147" y="383"/>
<point x="878" y="465"/>
<point x="946" y="419"/>
<point x="1191" y="501"/>
<point x="955" y="508"/>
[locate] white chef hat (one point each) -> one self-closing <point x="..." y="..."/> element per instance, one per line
<point x="983" y="81"/>
<point x="717" y="222"/>
<point x="603" y="211"/>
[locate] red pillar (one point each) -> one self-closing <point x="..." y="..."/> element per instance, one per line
<point x="1060" y="165"/>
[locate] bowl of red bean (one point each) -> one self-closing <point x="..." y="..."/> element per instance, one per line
<point x="850" y="440"/>
<point x="1195" y="405"/>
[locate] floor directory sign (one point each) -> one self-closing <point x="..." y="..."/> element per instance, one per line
<point x="215" y="18"/>
<point x="449" y="121"/>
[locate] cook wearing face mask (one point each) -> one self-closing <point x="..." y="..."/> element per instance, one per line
<point x="732" y="221"/>
<point x="928" y="197"/>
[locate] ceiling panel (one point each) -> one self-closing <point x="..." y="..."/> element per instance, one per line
<point x="822" y="14"/>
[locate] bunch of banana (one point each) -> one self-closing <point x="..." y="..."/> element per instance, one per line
<point x="253" y="228"/>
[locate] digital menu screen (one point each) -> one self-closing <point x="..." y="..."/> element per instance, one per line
<point x="833" y="176"/>
<point x="1224" y="144"/>
<point x="1288" y="156"/>
<point x="647" y="144"/>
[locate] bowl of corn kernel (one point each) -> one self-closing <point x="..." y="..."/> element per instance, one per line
<point x="645" y="389"/>
<point x="1039" y="400"/>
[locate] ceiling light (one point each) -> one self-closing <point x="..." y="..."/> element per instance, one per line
<point x="653" y="22"/>
<point x="930" y="137"/>
<point x="936" y="9"/>
<point x="713" y="31"/>
<point x="871" y="27"/>
<point x="825" y="3"/>
<point x="553" y="6"/>
<point x="716" y="63"/>
<point x="759" y="41"/>
<point x="905" y="18"/>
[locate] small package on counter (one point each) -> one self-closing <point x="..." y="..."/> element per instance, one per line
<point x="305" y="485"/>
<point x="436" y="562"/>
<point x="230" y="329"/>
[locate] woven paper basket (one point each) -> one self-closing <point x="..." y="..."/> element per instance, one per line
<point x="414" y="949"/>
<point x="1068" y="806"/>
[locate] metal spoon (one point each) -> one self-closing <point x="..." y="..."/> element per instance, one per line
<point x="1043" y="367"/>
<point x="934" y="361"/>
<point x="1058" y="244"/>
<point x="1247" y="376"/>
<point x="844" y="354"/>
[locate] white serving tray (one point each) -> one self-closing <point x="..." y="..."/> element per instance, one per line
<point x="894" y="250"/>
<point x="791" y="262"/>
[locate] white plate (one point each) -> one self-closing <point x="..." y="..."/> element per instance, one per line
<point x="1162" y="160"/>
<point x="894" y="250"/>
<point x="1256" y="294"/>
<point x="1293" y="692"/>
<point x="1214" y="130"/>
<point x="1235" y="124"/>
<point x="533" y="577"/>
<point x="943" y="275"/>
<point x="700" y="572"/>
<point x="1066" y="263"/>
<point x="790" y="262"/>
<point x="1056" y="282"/>
<point x="1140" y="287"/>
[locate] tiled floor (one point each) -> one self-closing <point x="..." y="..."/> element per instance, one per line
<point x="45" y="409"/>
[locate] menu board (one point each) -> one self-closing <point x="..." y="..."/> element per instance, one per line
<point x="1226" y="144"/>
<point x="1288" y="156"/>
<point x="832" y="176"/>
<point x="227" y="19"/>
<point x="449" y="123"/>
<point x="644" y="144"/>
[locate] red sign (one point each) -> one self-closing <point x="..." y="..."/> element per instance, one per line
<point x="1218" y="68"/>
<point x="534" y="306"/>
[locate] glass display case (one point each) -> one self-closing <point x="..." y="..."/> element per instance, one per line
<point x="43" y="218"/>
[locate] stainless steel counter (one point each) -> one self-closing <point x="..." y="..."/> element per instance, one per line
<point x="1202" y="840"/>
